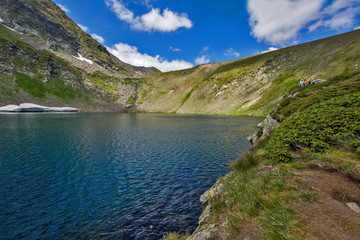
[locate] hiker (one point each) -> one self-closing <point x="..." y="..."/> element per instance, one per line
<point x="301" y="83"/>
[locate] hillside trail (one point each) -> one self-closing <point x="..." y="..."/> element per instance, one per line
<point x="329" y="217"/>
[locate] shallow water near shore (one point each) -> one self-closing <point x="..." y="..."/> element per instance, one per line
<point x="111" y="176"/>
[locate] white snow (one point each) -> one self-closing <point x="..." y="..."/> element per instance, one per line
<point x="81" y="58"/>
<point x="10" y="108"/>
<point x="30" y="107"/>
<point x="1" y="21"/>
<point x="12" y="29"/>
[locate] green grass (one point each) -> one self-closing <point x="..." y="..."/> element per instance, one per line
<point x="263" y="197"/>
<point x="131" y="100"/>
<point x="281" y="85"/>
<point x="175" y="236"/>
<point x="196" y="89"/>
<point x="342" y="161"/>
<point x="56" y="87"/>
<point x="321" y="126"/>
<point x="34" y="86"/>
<point x="316" y="127"/>
<point x="108" y="84"/>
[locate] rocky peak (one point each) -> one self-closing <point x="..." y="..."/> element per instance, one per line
<point x="45" y="26"/>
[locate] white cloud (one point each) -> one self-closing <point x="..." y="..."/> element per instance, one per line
<point x="205" y="49"/>
<point x="279" y="21"/>
<point x="231" y="52"/>
<point x="64" y="8"/>
<point x="167" y="21"/>
<point x="131" y="55"/>
<point x="175" y="49"/>
<point x="98" y="38"/>
<point x="340" y="14"/>
<point x="202" y="59"/>
<point x="338" y="5"/>
<point x="84" y="28"/>
<point x="357" y="27"/>
<point x="270" y="49"/>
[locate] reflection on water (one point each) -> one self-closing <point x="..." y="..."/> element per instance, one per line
<point x="111" y="176"/>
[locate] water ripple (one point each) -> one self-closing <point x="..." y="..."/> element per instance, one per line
<point x="111" y="176"/>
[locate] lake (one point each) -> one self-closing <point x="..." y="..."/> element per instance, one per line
<point x="113" y="175"/>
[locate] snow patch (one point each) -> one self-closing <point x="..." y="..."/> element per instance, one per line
<point x="138" y="72"/>
<point x="30" y="107"/>
<point x="12" y="29"/>
<point x="1" y="20"/>
<point x="81" y="58"/>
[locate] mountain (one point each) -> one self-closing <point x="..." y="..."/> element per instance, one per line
<point x="46" y="26"/>
<point x="46" y="58"/>
<point x="251" y="85"/>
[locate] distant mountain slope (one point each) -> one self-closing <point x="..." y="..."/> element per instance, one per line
<point x="39" y="76"/>
<point x="45" y="26"/>
<point x="46" y="58"/>
<point x="251" y="85"/>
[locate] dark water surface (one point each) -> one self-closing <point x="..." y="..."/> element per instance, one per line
<point x="111" y="176"/>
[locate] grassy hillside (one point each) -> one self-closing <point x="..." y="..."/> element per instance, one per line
<point x="45" y="26"/>
<point x="296" y="183"/>
<point x="38" y="42"/>
<point x="252" y="85"/>
<point x="39" y="76"/>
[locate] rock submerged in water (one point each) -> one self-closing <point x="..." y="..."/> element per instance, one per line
<point x="30" y="107"/>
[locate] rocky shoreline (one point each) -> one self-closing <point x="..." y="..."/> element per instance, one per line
<point x="206" y="229"/>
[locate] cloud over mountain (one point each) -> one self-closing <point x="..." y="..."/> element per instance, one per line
<point x="279" y="22"/>
<point x="98" y="38"/>
<point x="231" y="52"/>
<point x="155" y="20"/>
<point x="202" y="59"/>
<point x="63" y="7"/>
<point x="131" y="55"/>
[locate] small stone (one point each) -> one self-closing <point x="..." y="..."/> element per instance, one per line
<point x="353" y="206"/>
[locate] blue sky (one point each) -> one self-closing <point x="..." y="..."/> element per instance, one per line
<point x="178" y="34"/>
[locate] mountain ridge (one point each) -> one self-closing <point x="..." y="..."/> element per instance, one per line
<point x="49" y="28"/>
<point x="72" y="60"/>
<point x="251" y="85"/>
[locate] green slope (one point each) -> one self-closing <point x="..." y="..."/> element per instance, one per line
<point x="38" y="42"/>
<point x="299" y="177"/>
<point x="46" y="26"/>
<point x="39" y="76"/>
<point x="252" y="85"/>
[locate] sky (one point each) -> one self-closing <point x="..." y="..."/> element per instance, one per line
<point x="178" y="34"/>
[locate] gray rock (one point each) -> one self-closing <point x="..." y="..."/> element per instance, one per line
<point x="206" y="230"/>
<point x="204" y="233"/>
<point x="269" y="125"/>
<point x="266" y="128"/>
<point x="353" y="206"/>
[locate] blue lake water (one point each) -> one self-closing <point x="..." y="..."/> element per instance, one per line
<point x="111" y="176"/>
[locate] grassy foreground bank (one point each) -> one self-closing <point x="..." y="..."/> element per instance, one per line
<point x="295" y="184"/>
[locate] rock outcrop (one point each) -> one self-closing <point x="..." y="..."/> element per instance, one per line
<point x="206" y="229"/>
<point x="266" y="127"/>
